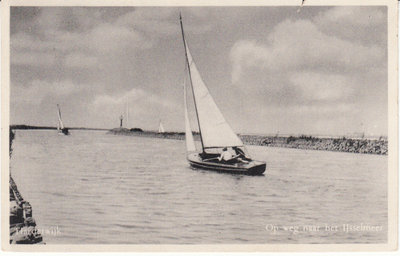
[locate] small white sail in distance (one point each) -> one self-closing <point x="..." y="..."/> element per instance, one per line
<point x="190" y="146"/>
<point x="215" y="130"/>
<point x="161" y="128"/>
<point x="60" y="124"/>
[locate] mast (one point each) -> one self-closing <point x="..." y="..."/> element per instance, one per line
<point x="191" y="84"/>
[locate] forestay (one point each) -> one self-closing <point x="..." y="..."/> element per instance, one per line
<point x="215" y="131"/>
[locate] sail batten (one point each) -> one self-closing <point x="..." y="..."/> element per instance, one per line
<point x="215" y="130"/>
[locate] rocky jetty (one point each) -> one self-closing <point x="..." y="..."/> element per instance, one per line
<point x="22" y="225"/>
<point x="364" y="146"/>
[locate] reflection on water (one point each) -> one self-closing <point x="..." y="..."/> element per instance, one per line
<point x="100" y="188"/>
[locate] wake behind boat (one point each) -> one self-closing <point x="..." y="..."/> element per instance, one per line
<point x="221" y="149"/>
<point x="60" y="126"/>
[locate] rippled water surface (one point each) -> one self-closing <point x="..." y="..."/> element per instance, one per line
<point x="98" y="188"/>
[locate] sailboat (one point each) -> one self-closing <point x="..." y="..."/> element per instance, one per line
<point x="216" y="135"/>
<point x="60" y="126"/>
<point x="161" y="128"/>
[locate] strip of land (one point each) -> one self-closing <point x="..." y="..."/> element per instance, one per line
<point x="34" y="127"/>
<point x="351" y="145"/>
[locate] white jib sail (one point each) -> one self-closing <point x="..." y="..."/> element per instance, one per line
<point x="161" y="128"/>
<point x="215" y="131"/>
<point x="190" y="146"/>
<point x="60" y="123"/>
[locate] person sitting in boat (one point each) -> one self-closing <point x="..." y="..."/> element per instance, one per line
<point x="239" y="151"/>
<point x="241" y="155"/>
<point x="225" y="155"/>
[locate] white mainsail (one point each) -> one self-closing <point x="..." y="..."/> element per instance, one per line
<point x="215" y="131"/>
<point x="161" y="128"/>
<point x="60" y="124"/>
<point x="190" y="146"/>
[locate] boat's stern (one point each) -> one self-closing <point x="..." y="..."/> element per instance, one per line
<point x="194" y="156"/>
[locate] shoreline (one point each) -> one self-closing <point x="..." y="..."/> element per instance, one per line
<point x="349" y="145"/>
<point x="34" y="127"/>
<point x="22" y="225"/>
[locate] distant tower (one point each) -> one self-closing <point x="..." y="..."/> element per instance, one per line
<point x="120" y="121"/>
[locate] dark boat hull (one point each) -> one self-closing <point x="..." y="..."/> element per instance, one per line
<point x="251" y="168"/>
<point x="65" y="131"/>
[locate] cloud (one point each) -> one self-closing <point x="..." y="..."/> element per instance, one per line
<point x="287" y="67"/>
<point x="165" y="23"/>
<point x="329" y="70"/>
<point x="355" y="23"/>
<point x="27" y="42"/>
<point x="60" y="36"/>
<point x="79" y="60"/>
<point x="139" y="96"/>
<point x="325" y="110"/>
<point x="107" y="38"/>
<point x="300" y="45"/>
<point x="145" y="108"/>
<point x="357" y="15"/>
<point x="247" y="54"/>
<point x="152" y="25"/>
<point x="39" y="90"/>
<point x="54" y="36"/>
<point x="322" y="87"/>
<point x="32" y="58"/>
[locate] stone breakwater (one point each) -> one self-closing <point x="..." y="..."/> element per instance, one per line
<point x="22" y="225"/>
<point x="363" y="146"/>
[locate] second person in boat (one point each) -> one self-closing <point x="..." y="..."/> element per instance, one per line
<point x="227" y="157"/>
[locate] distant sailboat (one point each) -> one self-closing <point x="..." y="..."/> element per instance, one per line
<point x="127" y="114"/>
<point x="161" y="128"/>
<point x="60" y="126"/>
<point x="216" y="135"/>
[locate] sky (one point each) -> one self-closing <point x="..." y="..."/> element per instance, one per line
<point x="286" y="70"/>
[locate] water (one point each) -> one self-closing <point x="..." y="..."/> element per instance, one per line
<point x="97" y="188"/>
